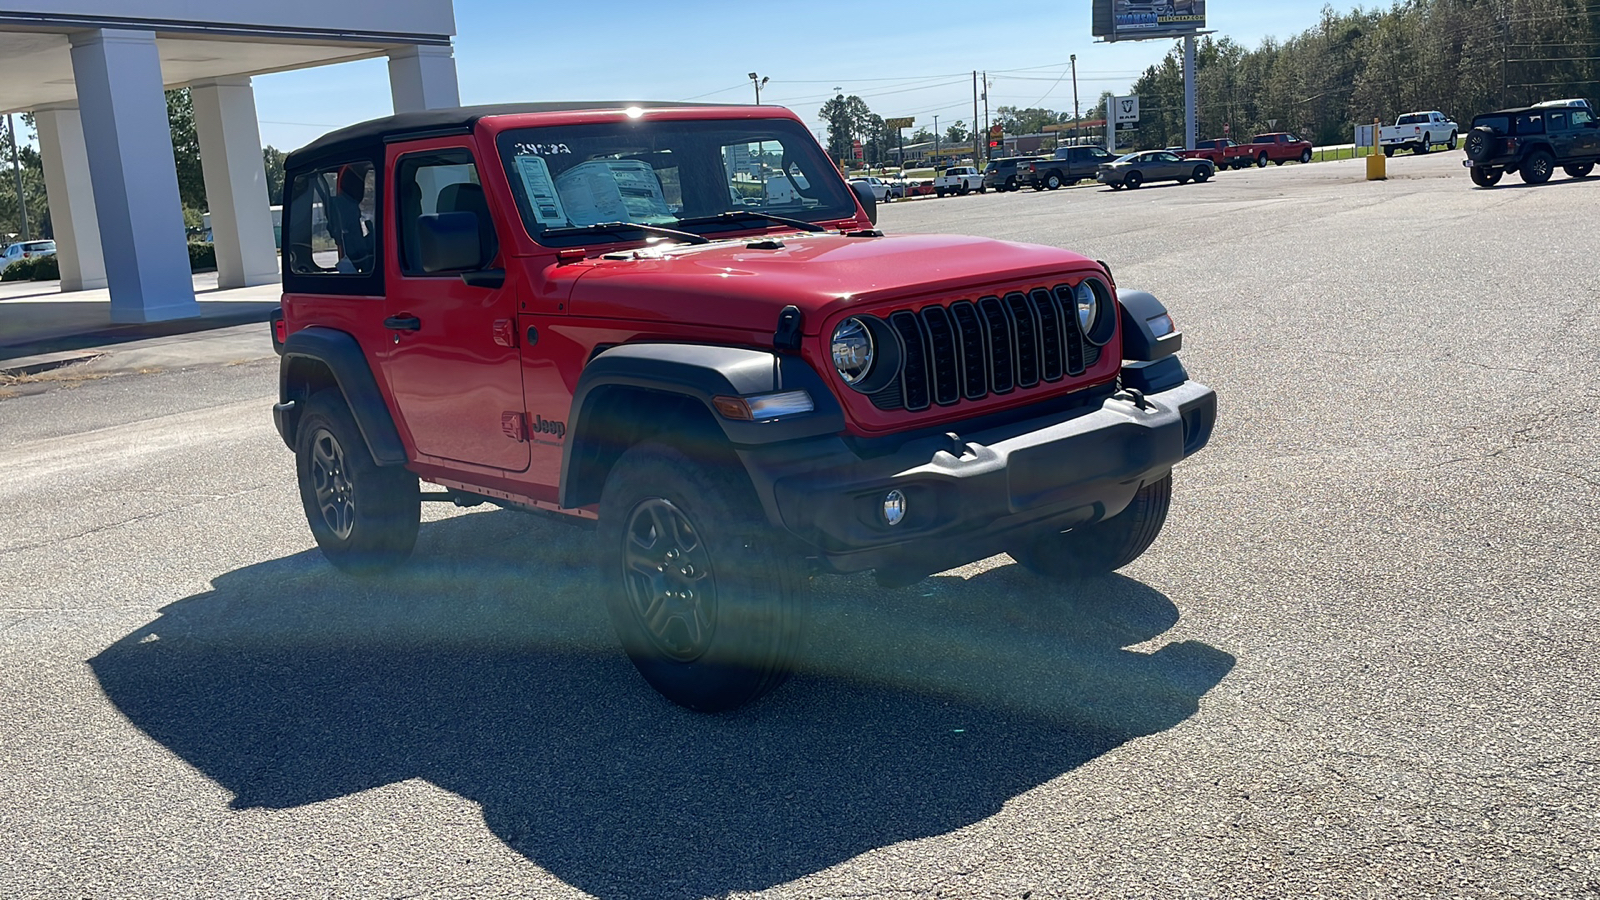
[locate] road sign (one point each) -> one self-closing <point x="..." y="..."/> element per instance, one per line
<point x="903" y="122"/>
<point x="1127" y="109"/>
<point x="996" y="132"/>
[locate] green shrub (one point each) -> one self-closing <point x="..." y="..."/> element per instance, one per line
<point x="21" y="270"/>
<point x="202" y="256"/>
<point x="46" y="268"/>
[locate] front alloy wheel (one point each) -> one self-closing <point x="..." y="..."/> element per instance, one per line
<point x="707" y="600"/>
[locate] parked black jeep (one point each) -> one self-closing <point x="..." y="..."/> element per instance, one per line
<point x="1533" y="140"/>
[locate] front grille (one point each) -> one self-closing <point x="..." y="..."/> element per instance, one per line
<point x="970" y="349"/>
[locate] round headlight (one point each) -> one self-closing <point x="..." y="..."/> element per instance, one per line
<point x="1088" y="305"/>
<point x="852" y="350"/>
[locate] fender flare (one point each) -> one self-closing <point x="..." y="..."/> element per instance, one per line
<point x="699" y="373"/>
<point x="341" y="353"/>
<point x="1139" y="340"/>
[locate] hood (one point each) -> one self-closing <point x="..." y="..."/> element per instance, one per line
<point x="745" y="283"/>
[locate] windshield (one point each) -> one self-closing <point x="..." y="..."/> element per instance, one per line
<point x="663" y="173"/>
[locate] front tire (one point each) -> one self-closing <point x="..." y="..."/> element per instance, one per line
<point x="1537" y="168"/>
<point x="1581" y="170"/>
<point x="1451" y="144"/>
<point x="363" y="516"/>
<point x="1201" y="174"/>
<point x="705" y="597"/>
<point x="1133" y="180"/>
<point x="1305" y="156"/>
<point x="1105" y="546"/>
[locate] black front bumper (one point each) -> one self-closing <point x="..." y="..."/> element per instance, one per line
<point x="969" y="497"/>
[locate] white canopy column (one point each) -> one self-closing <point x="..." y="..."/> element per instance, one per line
<point x="72" y="214"/>
<point x="236" y="181"/>
<point x="423" y="77"/>
<point x="129" y="144"/>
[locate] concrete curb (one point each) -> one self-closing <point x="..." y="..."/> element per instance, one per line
<point x="33" y="351"/>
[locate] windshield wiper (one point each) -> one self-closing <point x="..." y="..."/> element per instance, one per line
<point x="739" y="215"/>
<point x="617" y="227"/>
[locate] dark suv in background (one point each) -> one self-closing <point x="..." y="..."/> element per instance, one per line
<point x="1533" y="140"/>
<point x="1001" y="174"/>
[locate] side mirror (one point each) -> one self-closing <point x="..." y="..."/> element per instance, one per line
<point x="868" y="200"/>
<point x="449" y="242"/>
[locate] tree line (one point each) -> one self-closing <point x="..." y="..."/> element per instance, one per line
<point x="1461" y="57"/>
<point x="185" y="152"/>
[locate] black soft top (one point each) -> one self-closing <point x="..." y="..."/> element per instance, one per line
<point x="363" y="138"/>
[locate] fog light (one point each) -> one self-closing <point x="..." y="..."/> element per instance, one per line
<point x="894" y="507"/>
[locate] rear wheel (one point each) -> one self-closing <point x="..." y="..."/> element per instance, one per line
<point x="1389" y="150"/>
<point x="1537" y="168"/>
<point x="1105" y="546"/>
<point x="1425" y="146"/>
<point x="1261" y="161"/>
<point x="1133" y="180"/>
<point x="1116" y="185"/>
<point x="707" y="600"/>
<point x="1581" y="170"/>
<point x="1483" y="176"/>
<point x="363" y="516"/>
<point x="1052" y="181"/>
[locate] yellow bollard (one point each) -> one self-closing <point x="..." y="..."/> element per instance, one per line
<point x="1377" y="163"/>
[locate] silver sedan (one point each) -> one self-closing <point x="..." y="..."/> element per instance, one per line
<point x="1153" y="165"/>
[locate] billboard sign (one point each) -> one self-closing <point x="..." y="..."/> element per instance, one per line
<point x="1135" y="20"/>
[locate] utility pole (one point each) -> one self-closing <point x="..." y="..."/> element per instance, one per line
<point x="977" y="136"/>
<point x="758" y="84"/>
<point x="936" y="140"/>
<point x="986" y="87"/>
<point x="16" y="169"/>
<point x="1074" y="59"/>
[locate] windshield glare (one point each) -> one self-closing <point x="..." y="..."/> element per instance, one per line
<point x="663" y="173"/>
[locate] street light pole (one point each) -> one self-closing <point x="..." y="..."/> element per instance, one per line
<point x="758" y="83"/>
<point x="935" y="141"/>
<point x="16" y="168"/>
<point x="1074" y="59"/>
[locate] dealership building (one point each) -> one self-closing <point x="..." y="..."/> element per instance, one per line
<point x="93" y="73"/>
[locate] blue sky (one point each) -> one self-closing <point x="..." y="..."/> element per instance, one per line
<point x="912" y="58"/>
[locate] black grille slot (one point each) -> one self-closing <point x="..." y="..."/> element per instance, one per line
<point x="1074" y="336"/>
<point x="942" y="350"/>
<point x="1049" y="334"/>
<point x="974" y="349"/>
<point x="1002" y="372"/>
<point x="1027" y="331"/>
<point x="914" y="374"/>
<point x="970" y="349"/>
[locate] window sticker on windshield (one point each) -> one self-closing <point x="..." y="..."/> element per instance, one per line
<point x="542" y="196"/>
<point x="613" y="190"/>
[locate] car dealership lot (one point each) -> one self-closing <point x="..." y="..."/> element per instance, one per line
<point x="1361" y="659"/>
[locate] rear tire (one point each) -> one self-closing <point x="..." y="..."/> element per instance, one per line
<point x="1052" y="181"/>
<point x="1261" y="161"/>
<point x="1389" y="150"/>
<point x="1105" y="546"/>
<point x="363" y="516"/>
<point x="707" y="600"/>
<point x="1483" y="176"/>
<point x="1425" y="146"/>
<point x="1538" y="167"/>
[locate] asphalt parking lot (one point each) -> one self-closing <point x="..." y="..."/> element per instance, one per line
<point x="1362" y="660"/>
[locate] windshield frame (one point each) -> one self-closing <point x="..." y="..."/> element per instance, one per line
<point x="657" y="135"/>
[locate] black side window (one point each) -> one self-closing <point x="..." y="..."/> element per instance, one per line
<point x="332" y="222"/>
<point x="435" y="182"/>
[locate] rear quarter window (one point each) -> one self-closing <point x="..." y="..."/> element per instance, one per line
<point x="1497" y="124"/>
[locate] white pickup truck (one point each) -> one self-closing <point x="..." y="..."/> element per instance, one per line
<point x="1418" y="132"/>
<point x="958" y="180"/>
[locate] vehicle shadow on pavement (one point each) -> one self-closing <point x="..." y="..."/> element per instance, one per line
<point x="487" y="667"/>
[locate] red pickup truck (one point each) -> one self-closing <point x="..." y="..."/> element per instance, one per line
<point x="1225" y="154"/>
<point x="1279" y="147"/>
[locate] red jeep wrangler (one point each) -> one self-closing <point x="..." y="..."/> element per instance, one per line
<point x="679" y="321"/>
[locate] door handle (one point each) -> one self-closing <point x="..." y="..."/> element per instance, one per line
<point x="403" y="323"/>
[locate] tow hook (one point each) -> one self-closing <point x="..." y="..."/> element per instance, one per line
<point x="1134" y="396"/>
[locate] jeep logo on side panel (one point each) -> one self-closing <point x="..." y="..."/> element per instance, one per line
<point x="541" y="425"/>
